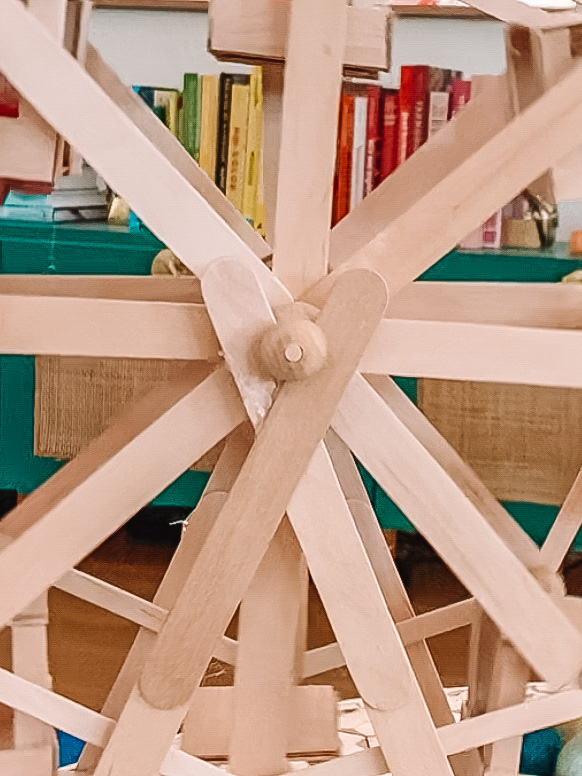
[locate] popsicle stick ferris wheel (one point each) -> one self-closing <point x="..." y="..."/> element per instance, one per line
<point x="291" y="365"/>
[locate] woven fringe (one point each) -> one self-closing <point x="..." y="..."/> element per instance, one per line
<point x="524" y="442"/>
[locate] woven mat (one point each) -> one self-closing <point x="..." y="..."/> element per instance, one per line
<point x="524" y="442"/>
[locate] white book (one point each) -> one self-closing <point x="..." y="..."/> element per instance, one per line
<point x="438" y="114"/>
<point x="359" y="150"/>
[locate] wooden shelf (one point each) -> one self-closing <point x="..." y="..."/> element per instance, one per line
<point x="439" y="12"/>
<point x="156" y="5"/>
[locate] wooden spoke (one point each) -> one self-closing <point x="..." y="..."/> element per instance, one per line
<point x="102" y="488"/>
<point x="459" y="533"/>
<point x="459" y="184"/>
<point x="467" y="351"/>
<point x="141" y="288"/>
<point x="533" y="305"/>
<point x="363" y="625"/>
<point x="109" y="328"/>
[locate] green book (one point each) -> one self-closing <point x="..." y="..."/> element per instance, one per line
<point x="191" y="114"/>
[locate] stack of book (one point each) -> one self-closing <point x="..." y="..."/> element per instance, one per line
<point x="380" y="128"/>
<point x="219" y="121"/>
<point x="73" y="198"/>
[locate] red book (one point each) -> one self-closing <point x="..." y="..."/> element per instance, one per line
<point x="413" y="101"/>
<point x="372" y="166"/>
<point x="343" y="173"/>
<point x="389" y="130"/>
<point x="8" y="99"/>
<point x="460" y="95"/>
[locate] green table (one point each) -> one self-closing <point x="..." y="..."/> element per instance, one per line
<point x="97" y="249"/>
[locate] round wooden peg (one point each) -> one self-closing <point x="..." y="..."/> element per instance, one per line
<point x="295" y="347"/>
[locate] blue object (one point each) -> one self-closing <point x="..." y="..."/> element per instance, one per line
<point x="70" y="749"/>
<point x="540" y="753"/>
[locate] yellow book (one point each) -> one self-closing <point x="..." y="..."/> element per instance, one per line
<point x="254" y="144"/>
<point x="209" y="128"/>
<point x="237" y="143"/>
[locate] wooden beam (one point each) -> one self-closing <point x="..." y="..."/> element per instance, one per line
<point x="107" y="328"/>
<point x="466" y="351"/>
<point x="458" y="183"/>
<point x="459" y="533"/>
<point x="366" y="631"/>
<point x="103" y="487"/>
<point x="28" y="57"/>
<point x="256" y="31"/>
<point x="317" y="40"/>
<point x="140" y="288"/>
<point x="533" y="305"/>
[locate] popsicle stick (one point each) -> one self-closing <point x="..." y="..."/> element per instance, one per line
<point x="368" y="635"/>
<point x="533" y="305"/>
<point x="565" y="528"/>
<point x="296" y="423"/>
<point x="515" y="12"/>
<point x="467" y="351"/>
<point x="199" y="525"/>
<point x="460" y="534"/>
<point x="103" y="487"/>
<point x="36" y="761"/>
<point x="107" y="328"/>
<point x="316" y="44"/>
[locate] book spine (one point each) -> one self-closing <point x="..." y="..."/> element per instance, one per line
<point x="254" y="143"/>
<point x="225" y="99"/>
<point x="460" y="95"/>
<point x="341" y="203"/>
<point x="359" y="150"/>
<point x="438" y="114"/>
<point x="237" y="143"/>
<point x="491" y="231"/>
<point x="372" y="166"/>
<point x="191" y="109"/>
<point x="9" y="100"/>
<point x="405" y="110"/>
<point x="389" y="140"/>
<point x="209" y="124"/>
<point x="418" y="129"/>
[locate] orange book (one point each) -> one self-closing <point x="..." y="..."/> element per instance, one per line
<point x="343" y="174"/>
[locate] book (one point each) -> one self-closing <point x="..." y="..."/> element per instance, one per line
<point x="491" y="231"/>
<point x="237" y="141"/>
<point x="9" y="100"/>
<point x="342" y="179"/>
<point x="190" y="138"/>
<point x="253" y="157"/>
<point x="358" y="149"/>
<point x="224" y="103"/>
<point x="414" y="100"/>
<point x="209" y="124"/>
<point x="460" y="95"/>
<point x="166" y="107"/>
<point x="389" y="131"/>
<point x="439" y="99"/>
<point x="372" y="163"/>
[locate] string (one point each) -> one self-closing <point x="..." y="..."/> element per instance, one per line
<point x="51" y="266"/>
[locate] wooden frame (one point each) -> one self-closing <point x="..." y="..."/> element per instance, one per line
<point x="273" y="375"/>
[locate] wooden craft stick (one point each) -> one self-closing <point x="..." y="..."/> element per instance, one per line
<point x="533" y="305"/>
<point x="108" y="328"/>
<point x="565" y="528"/>
<point x="316" y="44"/>
<point x="199" y="525"/>
<point x="144" y="118"/>
<point x="141" y="288"/>
<point x="467" y="351"/>
<point x="297" y="421"/>
<point x="102" y="487"/>
<point x="459" y="183"/>
<point x="36" y="761"/>
<point x="365" y="629"/>
<point x="80" y="102"/>
<point x="515" y="12"/>
<point x="459" y="533"/>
